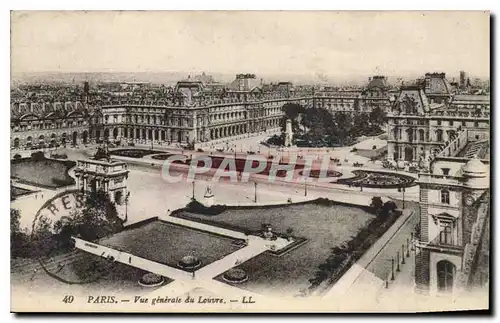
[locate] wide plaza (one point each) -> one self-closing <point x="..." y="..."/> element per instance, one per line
<point x="151" y="196"/>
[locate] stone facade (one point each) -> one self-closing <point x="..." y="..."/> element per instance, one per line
<point x="421" y="125"/>
<point x="196" y="110"/>
<point x="449" y="206"/>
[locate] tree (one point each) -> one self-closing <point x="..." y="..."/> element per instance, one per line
<point x="292" y="110"/>
<point x="276" y="140"/>
<point x="343" y="126"/>
<point x="15" y="224"/>
<point x="378" y="117"/>
<point x="17" y="237"/>
<point x="38" y="155"/>
<point x="360" y="124"/>
<point x="376" y="204"/>
<point x="96" y="220"/>
<point x="388" y="208"/>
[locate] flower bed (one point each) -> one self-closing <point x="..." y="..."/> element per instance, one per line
<point x="134" y="153"/>
<point x="378" y="180"/>
<point x="164" y="157"/>
<point x="240" y="165"/>
<point x="189" y="263"/>
<point x="316" y="173"/>
<point x="151" y="280"/>
<point x="235" y="276"/>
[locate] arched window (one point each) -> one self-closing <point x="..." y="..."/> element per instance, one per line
<point x="409" y="134"/>
<point x="439" y="136"/>
<point x="445" y="196"/>
<point x="421" y="135"/>
<point x="445" y="276"/>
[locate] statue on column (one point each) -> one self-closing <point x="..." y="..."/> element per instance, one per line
<point x="288" y="133"/>
<point x="209" y="196"/>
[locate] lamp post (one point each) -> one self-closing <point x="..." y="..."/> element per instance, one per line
<point x="392" y="269"/>
<point x="193" y="191"/>
<point x="255" y="191"/>
<point x="126" y="206"/>
<point x="403" y="189"/>
<point x="398" y="269"/>
<point x="403" y="254"/>
<point x="305" y="187"/>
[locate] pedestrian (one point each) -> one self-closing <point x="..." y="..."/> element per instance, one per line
<point x="34" y="273"/>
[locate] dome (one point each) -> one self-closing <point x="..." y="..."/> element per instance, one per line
<point x="475" y="167"/>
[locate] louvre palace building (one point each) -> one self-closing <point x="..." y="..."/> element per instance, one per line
<point x="427" y="116"/>
<point x="195" y="110"/>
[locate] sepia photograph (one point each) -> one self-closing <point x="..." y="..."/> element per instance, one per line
<point x="250" y="161"/>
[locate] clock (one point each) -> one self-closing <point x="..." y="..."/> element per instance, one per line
<point x="469" y="200"/>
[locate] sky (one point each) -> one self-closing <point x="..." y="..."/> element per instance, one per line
<point x="310" y="43"/>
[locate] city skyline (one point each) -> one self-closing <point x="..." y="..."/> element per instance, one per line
<point x="311" y="44"/>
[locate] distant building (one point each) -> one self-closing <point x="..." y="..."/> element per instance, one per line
<point x="419" y="127"/>
<point x="463" y="80"/>
<point x="38" y="125"/>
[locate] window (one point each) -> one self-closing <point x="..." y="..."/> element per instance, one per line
<point x="439" y="135"/>
<point x="446" y="233"/>
<point x="476" y="124"/>
<point x="421" y="135"/>
<point x="464" y="123"/>
<point x="439" y="122"/>
<point x="451" y="122"/>
<point x="445" y="197"/>
<point x="446" y="171"/>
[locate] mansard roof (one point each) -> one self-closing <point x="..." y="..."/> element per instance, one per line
<point x="252" y="84"/>
<point x="412" y="98"/>
<point x="437" y="84"/>
<point x="42" y="110"/>
<point x="377" y="82"/>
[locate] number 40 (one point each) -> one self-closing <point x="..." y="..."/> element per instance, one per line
<point x="68" y="299"/>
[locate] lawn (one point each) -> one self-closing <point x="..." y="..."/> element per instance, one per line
<point x="116" y="277"/>
<point x="324" y="227"/>
<point x="49" y="173"/>
<point x="167" y="243"/>
<point x="18" y="191"/>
